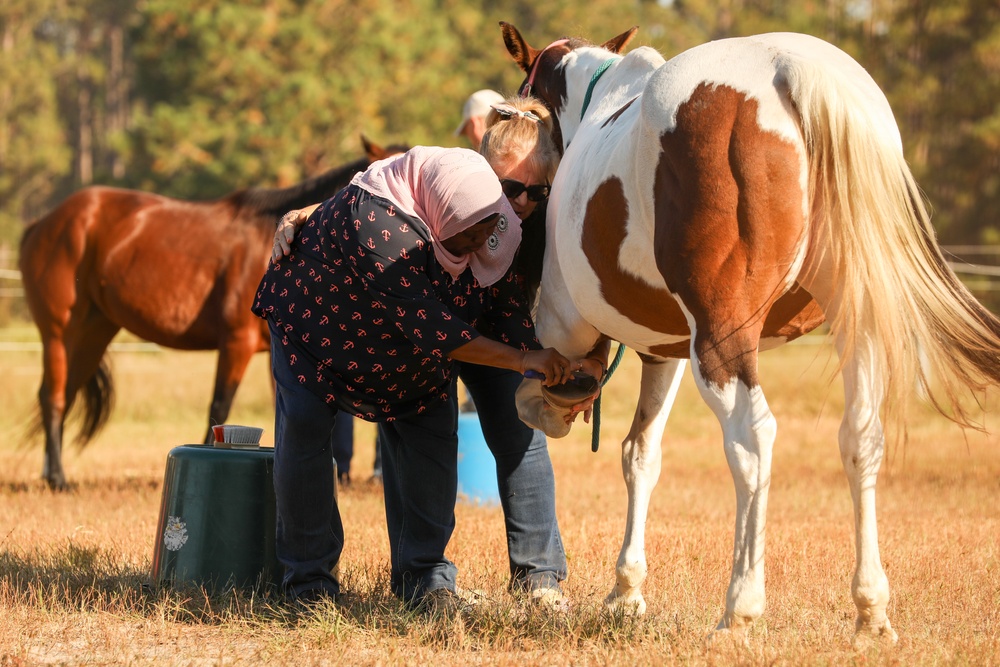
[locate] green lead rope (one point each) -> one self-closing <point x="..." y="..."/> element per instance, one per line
<point x="595" y="438"/>
<point x="593" y="82"/>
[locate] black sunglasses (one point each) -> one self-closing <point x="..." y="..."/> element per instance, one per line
<point x="513" y="190"/>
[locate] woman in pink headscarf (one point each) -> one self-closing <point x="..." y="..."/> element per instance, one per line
<point x="367" y="315"/>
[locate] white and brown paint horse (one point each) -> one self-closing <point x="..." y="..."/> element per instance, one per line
<point x="722" y="203"/>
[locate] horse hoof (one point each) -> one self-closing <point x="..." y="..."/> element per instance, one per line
<point x="723" y="636"/>
<point x="57" y="485"/>
<point x="625" y="606"/>
<point x="575" y="390"/>
<point x="866" y="634"/>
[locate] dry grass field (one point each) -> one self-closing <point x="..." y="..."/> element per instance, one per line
<point x="74" y="567"/>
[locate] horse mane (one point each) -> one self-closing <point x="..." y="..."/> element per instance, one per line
<point x="275" y="202"/>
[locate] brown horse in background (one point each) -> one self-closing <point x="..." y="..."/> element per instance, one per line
<point x="180" y="274"/>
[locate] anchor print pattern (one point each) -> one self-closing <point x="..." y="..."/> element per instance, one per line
<point x="370" y="316"/>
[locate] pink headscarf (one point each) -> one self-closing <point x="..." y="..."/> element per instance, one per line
<point x="449" y="190"/>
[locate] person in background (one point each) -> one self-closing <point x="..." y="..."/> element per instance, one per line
<point x="474" y="113"/>
<point x="343" y="449"/>
<point x="478" y="106"/>
<point x="386" y="286"/>
<point x="518" y="146"/>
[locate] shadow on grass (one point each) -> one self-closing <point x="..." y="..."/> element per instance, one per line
<point x="79" y="579"/>
<point x="100" y="485"/>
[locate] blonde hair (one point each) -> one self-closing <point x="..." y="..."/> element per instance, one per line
<point x="510" y="138"/>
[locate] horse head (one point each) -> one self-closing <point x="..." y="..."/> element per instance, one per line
<point x="545" y="72"/>
<point x="374" y="152"/>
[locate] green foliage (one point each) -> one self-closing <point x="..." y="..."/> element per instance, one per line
<point x="195" y="100"/>
<point x="940" y="68"/>
<point x="33" y="147"/>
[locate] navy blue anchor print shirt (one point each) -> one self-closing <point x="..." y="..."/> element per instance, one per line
<point x="369" y="316"/>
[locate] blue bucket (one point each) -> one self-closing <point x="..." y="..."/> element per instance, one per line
<point x="477" y="469"/>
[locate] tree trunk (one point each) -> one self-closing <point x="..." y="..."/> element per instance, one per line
<point x="117" y="95"/>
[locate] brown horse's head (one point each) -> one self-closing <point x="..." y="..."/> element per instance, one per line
<point x="374" y="152"/>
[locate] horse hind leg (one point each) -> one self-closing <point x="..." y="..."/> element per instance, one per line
<point x="725" y="371"/>
<point x="641" y="457"/>
<point x="861" y="449"/>
<point x="52" y="407"/>
<point x="74" y="362"/>
<point x="862" y="446"/>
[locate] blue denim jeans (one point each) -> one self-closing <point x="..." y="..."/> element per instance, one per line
<point x="420" y="484"/>
<point x="310" y="536"/>
<point x="524" y="479"/>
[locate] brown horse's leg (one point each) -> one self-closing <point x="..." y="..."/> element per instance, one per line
<point x="234" y="356"/>
<point x="73" y="362"/>
<point x="52" y="402"/>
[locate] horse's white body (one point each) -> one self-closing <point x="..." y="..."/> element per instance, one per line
<point x="668" y="290"/>
<point x="748" y="65"/>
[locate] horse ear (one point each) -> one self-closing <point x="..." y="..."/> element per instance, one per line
<point x="523" y="54"/>
<point x="372" y="150"/>
<point x="616" y="44"/>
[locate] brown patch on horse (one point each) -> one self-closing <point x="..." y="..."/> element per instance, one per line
<point x="728" y="208"/>
<point x="616" y="115"/>
<point x="603" y="234"/>
<point x="794" y="314"/>
<point x="678" y="350"/>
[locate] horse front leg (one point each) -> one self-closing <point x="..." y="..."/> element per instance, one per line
<point x="234" y="357"/>
<point x="641" y="459"/>
<point x="861" y="449"/>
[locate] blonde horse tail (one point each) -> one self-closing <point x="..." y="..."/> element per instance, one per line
<point x="870" y="224"/>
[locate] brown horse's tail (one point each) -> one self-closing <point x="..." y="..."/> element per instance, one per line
<point x="98" y="395"/>
<point x="98" y="399"/>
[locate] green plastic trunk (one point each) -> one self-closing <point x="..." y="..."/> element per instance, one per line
<point x="217" y="519"/>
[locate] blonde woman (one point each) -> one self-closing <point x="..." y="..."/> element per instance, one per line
<point x="519" y="146"/>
